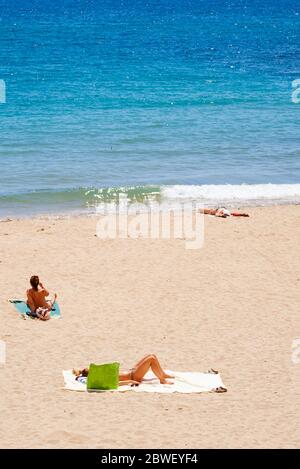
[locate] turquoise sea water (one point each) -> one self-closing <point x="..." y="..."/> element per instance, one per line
<point x="191" y="99"/>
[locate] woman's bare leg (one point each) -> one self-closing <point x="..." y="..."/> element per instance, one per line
<point x="208" y="211"/>
<point x="150" y="361"/>
<point x="141" y="369"/>
<point x="156" y="363"/>
<point x="239" y="214"/>
<point x="51" y="303"/>
<point x="152" y="355"/>
<point x="142" y="360"/>
<point x="43" y="316"/>
<point x="46" y="315"/>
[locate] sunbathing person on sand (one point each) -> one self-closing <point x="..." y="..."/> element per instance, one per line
<point x="36" y="299"/>
<point x="222" y="212"/>
<point x="135" y="375"/>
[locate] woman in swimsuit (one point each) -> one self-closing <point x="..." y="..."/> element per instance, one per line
<point x="36" y="299"/>
<point x="222" y="212"/>
<point x="135" y="375"/>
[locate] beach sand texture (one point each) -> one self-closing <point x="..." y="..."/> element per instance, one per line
<point x="232" y="305"/>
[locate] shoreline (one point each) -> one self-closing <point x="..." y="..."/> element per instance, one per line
<point x="93" y="214"/>
<point x="86" y="201"/>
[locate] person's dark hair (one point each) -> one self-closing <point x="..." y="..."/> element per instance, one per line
<point x="34" y="282"/>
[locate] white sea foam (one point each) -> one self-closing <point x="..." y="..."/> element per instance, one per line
<point x="248" y="194"/>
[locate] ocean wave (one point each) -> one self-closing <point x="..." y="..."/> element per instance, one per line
<point x="91" y="200"/>
<point x="247" y="193"/>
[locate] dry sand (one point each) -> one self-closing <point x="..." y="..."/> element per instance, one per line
<point x="232" y="305"/>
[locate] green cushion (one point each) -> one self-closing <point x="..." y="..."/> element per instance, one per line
<point x="103" y="377"/>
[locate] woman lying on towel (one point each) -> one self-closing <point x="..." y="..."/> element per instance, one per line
<point x="222" y="212"/>
<point x="36" y="299"/>
<point x="135" y="375"/>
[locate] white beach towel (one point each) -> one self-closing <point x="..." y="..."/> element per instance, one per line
<point x="184" y="382"/>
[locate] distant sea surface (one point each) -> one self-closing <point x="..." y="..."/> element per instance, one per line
<point x="188" y="99"/>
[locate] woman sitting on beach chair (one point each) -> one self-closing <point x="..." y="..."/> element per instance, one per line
<point x="222" y="212"/>
<point x="36" y="300"/>
<point x="135" y="375"/>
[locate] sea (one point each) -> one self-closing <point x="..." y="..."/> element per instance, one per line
<point x="172" y="99"/>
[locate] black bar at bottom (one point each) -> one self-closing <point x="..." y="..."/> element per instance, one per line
<point x="144" y="457"/>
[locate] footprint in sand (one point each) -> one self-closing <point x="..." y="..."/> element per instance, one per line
<point x="62" y="436"/>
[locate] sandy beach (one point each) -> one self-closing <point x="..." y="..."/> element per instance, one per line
<point x="232" y="305"/>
